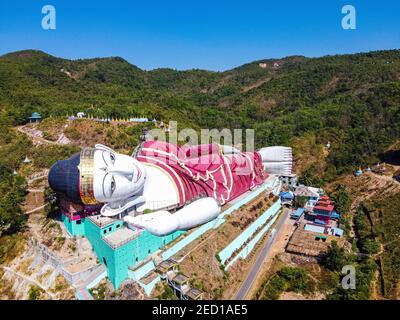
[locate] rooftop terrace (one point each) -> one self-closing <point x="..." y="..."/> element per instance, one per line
<point x="101" y="221"/>
<point x="194" y="294"/>
<point x="166" y="265"/>
<point x="120" y="237"/>
<point x="180" y="279"/>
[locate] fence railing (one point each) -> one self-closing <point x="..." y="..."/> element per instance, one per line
<point x="56" y="262"/>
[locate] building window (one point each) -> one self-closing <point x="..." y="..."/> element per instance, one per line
<point x="78" y="221"/>
<point x="118" y="225"/>
<point x="149" y="251"/>
<point x="104" y="231"/>
<point x="109" y="229"/>
<point x="137" y="259"/>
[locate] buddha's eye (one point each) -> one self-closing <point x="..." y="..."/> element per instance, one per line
<point x="112" y="158"/>
<point x="112" y="185"/>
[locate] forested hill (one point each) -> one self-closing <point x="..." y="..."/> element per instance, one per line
<point x="350" y="100"/>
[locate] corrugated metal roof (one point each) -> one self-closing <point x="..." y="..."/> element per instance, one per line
<point x="329" y="207"/>
<point x="313" y="228"/>
<point x="298" y="213"/>
<point x="287" y="194"/>
<point x="338" y="232"/>
<point x="320" y="229"/>
<point x="305" y="191"/>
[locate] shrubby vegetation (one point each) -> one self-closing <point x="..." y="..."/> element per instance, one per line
<point x="332" y="98"/>
<point x="310" y="178"/>
<point x="342" y="200"/>
<point x="352" y="101"/>
<point x="13" y="191"/>
<point x="327" y="279"/>
<point x="99" y="292"/>
<point x="365" y="271"/>
<point x="167" y="293"/>
<point x="287" y="279"/>
<point x="50" y="198"/>
<point x="377" y="225"/>
<point x="300" y="202"/>
<point x="335" y="259"/>
<point x="12" y="187"/>
<point x="45" y="156"/>
<point x="13" y="149"/>
<point x="35" y="293"/>
<point x="366" y="235"/>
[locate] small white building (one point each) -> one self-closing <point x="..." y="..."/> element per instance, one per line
<point x="311" y="193"/>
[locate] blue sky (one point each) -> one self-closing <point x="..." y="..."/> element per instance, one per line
<point x="214" y="35"/>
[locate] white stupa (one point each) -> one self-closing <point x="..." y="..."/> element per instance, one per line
<point x="27" y="160"/>
<point x="328" y="145"/>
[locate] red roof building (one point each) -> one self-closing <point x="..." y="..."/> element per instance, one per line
<point x="324" y="209"/>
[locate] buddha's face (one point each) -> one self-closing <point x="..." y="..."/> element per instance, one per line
<point x="116" y="176"/>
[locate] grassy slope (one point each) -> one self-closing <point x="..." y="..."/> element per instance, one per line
<point x="375" y="214"/>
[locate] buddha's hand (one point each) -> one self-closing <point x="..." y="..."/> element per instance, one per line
<point x="162" y="223"/>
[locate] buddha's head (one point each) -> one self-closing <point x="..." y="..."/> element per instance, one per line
<point x="97" y="175"/>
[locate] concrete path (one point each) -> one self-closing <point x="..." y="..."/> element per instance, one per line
<point x="83" y="294"/>
<point x="31" y="281"/>
<point x="252" y="275"/>
<point x="35" y="190"/>
<point x="36" y="209"/>
<point x="34" y="137"/>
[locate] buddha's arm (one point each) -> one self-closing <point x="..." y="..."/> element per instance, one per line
<point x="161" y="223"/>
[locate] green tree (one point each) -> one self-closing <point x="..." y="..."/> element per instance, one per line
<point x="309" y="178"/>
<point x="35" y="293"/>
<point x="300" y="201"/>
<point x="342" y="199"/>
<point x="335" y="258"/>
<point x="50" y="199"/>
<point x="364" y="275"/>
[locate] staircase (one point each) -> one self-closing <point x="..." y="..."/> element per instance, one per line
<point x="82" y="292"/>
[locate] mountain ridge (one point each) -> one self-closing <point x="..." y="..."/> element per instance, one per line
<point x="331" y="98"/>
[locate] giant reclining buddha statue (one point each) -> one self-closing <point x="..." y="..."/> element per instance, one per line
<point x="165" y="188"/>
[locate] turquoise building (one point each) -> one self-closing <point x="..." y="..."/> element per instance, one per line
<point x="116" y="246"/>
<point x="74" y="227"/>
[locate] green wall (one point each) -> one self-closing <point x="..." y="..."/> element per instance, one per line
<point x="104" y="252"/>
<point x="118" y="260"/>
<point x="74" y="228"/>
<point x="148" y="243"/>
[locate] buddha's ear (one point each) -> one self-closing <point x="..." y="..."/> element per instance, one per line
<point x="112" y="209"/>
<point x="103" y="147"/>
<point x="107" y="211"/>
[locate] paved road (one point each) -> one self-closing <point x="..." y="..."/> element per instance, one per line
<point x="248" y="283"/>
